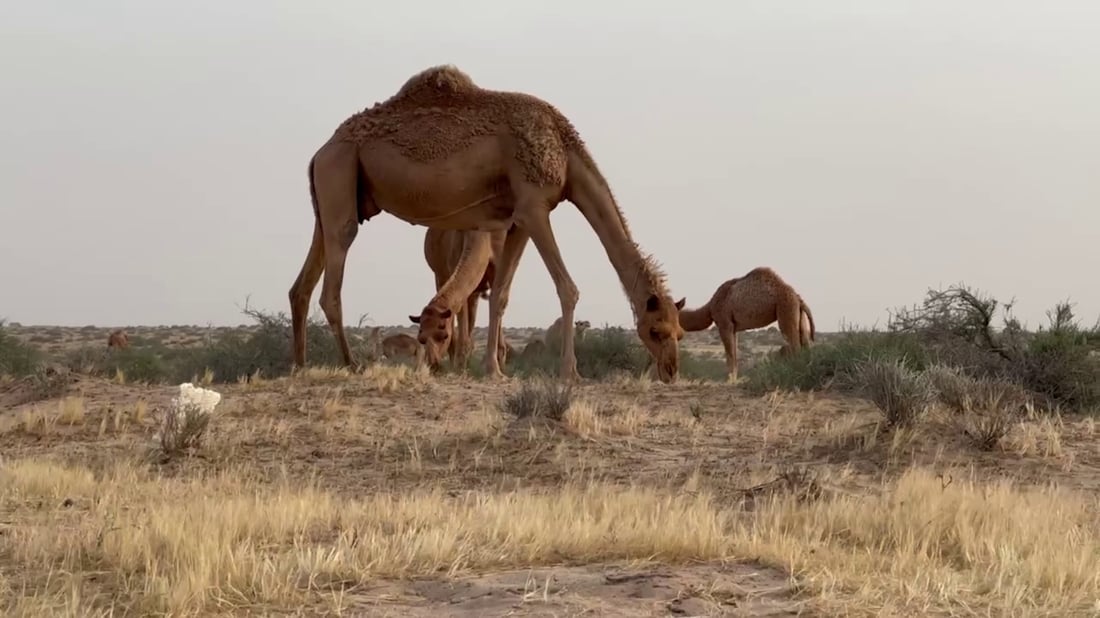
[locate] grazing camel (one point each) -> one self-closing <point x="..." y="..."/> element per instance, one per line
<point x="553" y="334"/>
<point x="456" y="297"/>
<point x="118" y="339"/>
<point x="753" y="301"/>
<point x="444" y="152"/>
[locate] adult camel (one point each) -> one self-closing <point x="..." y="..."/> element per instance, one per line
<point x="443" y="152"/>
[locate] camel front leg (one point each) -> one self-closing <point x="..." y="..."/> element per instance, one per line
<point x="536" y="219"/>
<point x="727" y="332"/>
<point x="506" y="264"/>
<point x="466" y="323"/>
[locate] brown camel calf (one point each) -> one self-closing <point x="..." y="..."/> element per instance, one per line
<point x="749" y="302"/>
<point x="464" y="264"/>
<point x="118" y="339"/>
<point x="395" y="346"/>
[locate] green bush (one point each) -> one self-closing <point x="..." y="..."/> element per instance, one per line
<point x="955" y="328"/>
<point x="608" y="351"/>
<point x="16" y="357"/>
<point x="902" y="394"/>
<point x="831" y="364"/>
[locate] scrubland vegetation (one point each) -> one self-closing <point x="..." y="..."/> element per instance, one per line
<point x="945" y="465"/>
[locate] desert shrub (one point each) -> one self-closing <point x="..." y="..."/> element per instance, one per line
<point x="1059" y="366"/>
<point x="139" y="364"/>
<point x="185" y="422"/>
<point x="543" y="398"/>
<point x="956" y="326"/>
<point x="698" y="367"/>
<point x="902" y="394"/>
<point x="265" y="348"/>
<point x="609" y="351"/>
<point x="984" y="409"/>
<point x="16" y="357"/>
<point x="954" y="388"/>
<point x="831" y="364"/>
<point x="600" y="353"/>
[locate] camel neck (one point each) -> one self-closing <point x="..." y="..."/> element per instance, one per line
<point x="696" y="319"/>
<point x="476" y="254"/>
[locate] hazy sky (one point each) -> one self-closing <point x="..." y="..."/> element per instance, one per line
<point x="153" y="155"/>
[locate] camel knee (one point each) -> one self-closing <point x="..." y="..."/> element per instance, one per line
<point x="568" y="294"/>
<point x="330" y="305"/>
<point x="345" y="233"/>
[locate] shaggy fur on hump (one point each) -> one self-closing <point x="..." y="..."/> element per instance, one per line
<point x="441" y="79"/>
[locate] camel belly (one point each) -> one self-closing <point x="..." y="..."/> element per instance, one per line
<point x="466" y="190"/>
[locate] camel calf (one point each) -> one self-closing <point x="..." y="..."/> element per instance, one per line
<point x="118" y="339"/>
<point x="463" y="263"/>
<point x="553" y="334"/>
<point x="749" y="302"/>
<point x="394" y="346"/>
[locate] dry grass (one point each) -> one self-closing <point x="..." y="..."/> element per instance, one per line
<point x="330" y="489"/>
<point x="147" y="544"/>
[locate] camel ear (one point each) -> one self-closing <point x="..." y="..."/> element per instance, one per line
<point x="680" y="303"/>
<point x="415" y="319"/>
<point x="652" y="302"/>
<point x="446" y="314"/>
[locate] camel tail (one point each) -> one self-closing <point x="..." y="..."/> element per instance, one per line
<point x="809" y="315"/>
<point x="313" y="191"/>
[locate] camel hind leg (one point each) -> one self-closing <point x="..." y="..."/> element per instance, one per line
<point x="336" y="180"/>
<point x="302" y="290"/>
<point x="727" y="332"/>
<point x="804" y="329"/>
<point x="789" y="317"/>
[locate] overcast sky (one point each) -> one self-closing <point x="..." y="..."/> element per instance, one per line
<point x="153" y="155"/>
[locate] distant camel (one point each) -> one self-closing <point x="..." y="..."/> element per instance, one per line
<point x="444" y="152"/>
<point x="456" y="258"/>
<point x="394" y="346"/>
<point x="553" y="334"/>
<point x="535" y="347"/>
<point x="118" y="339"/>
<point x="749" y="302"/>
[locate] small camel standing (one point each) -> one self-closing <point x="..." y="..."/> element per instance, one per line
<point x="118" y="339"/>
<point x="444" y="152"/>
<point x="396" y="346"/>
<point x="457" y="292"/>
<point x="753" y="301"/>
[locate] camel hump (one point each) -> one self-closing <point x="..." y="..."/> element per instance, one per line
<point x="438" y="80"/>
<point x="762" y="272"/>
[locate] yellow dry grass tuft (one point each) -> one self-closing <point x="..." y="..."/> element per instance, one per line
<point x="188" y="546"/>
<point x="924" y="544"/>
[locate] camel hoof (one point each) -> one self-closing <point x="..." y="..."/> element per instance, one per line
<point x="497" y="375"/>
<point x="570" y="377"/>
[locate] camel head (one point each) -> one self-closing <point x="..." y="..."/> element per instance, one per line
<point x="659" y="329"/>
<point x="436" y="329"/>
<point x="580" y="326"/>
